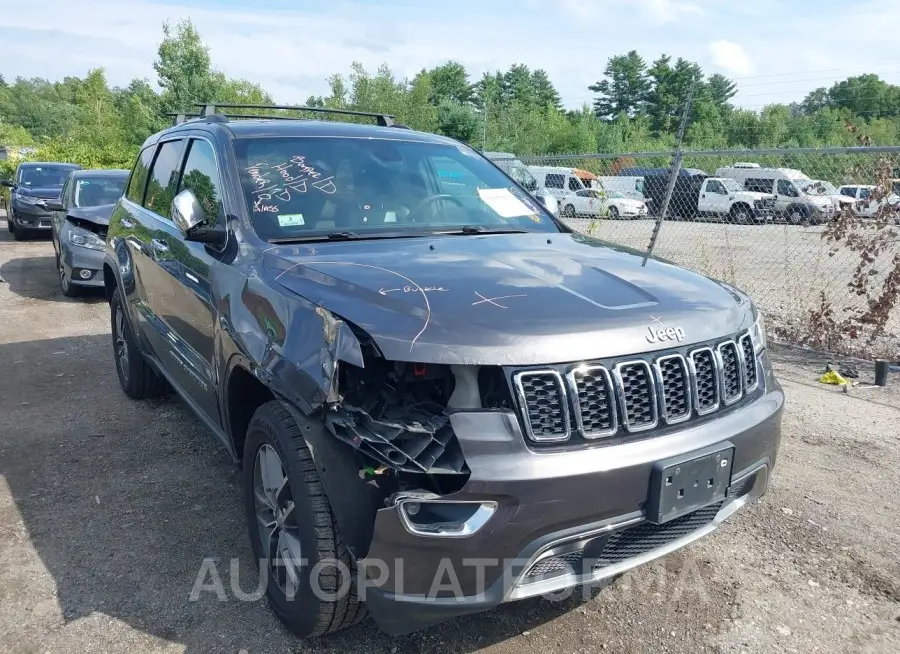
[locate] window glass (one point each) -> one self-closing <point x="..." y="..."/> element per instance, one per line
<point x="865" y="193"/>
<point x="849" y="191"/>
<point x="201" y="176"/>
<point x="786" y="188"/>
<point x="63" y="196"/>
<point x="139" y="175"/>
<point x="297" y="187"/>
<point x="584" y="193"/>
<point x="715" y="187"/>
<point x="163" y="176"/>
<point x="759" y="185"/>
<point x="97" y="191"/>
<point x="43" y="176"/>
<point x="575" y="184"/>
<point x="555" y="180"/>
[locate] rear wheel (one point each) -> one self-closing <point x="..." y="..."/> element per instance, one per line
<point x="310" y="574"/>
<point x="137" y="378"/>
<point x="741" y="214"/>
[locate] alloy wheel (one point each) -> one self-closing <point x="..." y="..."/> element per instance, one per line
<point x="276" y="516"/>
<point x="121" y="343"/>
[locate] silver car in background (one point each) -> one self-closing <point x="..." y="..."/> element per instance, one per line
<point x="80" y="218"/>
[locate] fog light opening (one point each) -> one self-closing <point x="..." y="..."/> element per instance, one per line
<point x="85" y="274"/>
<point x="444" y="519"/>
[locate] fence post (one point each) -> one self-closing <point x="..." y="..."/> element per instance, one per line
<point x="673" y="175"/>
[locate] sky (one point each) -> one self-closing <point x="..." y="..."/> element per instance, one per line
<point x="776" y="50"/>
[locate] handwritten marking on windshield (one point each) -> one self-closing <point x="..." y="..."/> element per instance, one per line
<point x="259" y="207"/>
<point x="295" y="175"/>
<point x="412" y="289"/>
<point x="493" y="300"/>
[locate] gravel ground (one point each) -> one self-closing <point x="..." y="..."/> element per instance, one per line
<point x="785" y="268"/>
<point x="108" y="508"/>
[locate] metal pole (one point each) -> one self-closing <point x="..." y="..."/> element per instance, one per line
<point x="484" y="134"/>
<point x="673" y="176"/>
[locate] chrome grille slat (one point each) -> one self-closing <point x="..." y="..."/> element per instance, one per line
<point x="593" y="401"/>
<point x="635" y="395"/>
<point x="751" y="373"/>
<point x="731" y="374"/>
<point x="705" y="380"/>
<point x="674" y="380"/>
<point x="542" y="396"/>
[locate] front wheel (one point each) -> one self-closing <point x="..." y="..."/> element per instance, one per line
<point x="569" y="211"/>
<point x="309" y="574"/>
<point x="613" y="213"/>
<point x="10" y="225"/>
<point x="741" y="215"/>
<point x="65" y="284"/>
<point x="796" y="216"/>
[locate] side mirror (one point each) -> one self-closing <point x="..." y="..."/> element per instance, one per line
<point x="8" y="183"/>
<point x="190" y="219"/>
<point x="550" y="203"/>
<point x="53" y="205"/>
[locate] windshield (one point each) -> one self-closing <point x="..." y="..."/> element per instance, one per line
<point x="819" y="187"/>
<point x="614" y="194"/>
<point x="517" y="170"/>
<point x="43" y="176"/>
<point x="896" y="187"/>
<point x="302" y="187"/>
<point x="96" y="191"/>
<point x="731" y="185"/>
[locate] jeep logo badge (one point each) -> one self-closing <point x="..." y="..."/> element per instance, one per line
<point x="665" y="334"/>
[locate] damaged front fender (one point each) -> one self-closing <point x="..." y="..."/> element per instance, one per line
<point x="294" y="345"/>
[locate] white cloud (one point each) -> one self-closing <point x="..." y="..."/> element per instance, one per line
<point x="731" y="57"/>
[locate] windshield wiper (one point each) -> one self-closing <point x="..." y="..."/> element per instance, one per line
<point x="481" y="229"/>
<point x="331" y="236"/>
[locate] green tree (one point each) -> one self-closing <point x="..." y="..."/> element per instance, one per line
<point x="625" y="89"/>
<point x="450" y="81"/>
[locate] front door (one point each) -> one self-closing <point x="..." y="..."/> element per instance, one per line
<point x="182" y="306"/>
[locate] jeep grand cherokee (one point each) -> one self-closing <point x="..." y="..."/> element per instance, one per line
<point x="441" y="397"/>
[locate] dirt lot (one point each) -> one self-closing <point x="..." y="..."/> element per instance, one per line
<point x="109" y="507"/>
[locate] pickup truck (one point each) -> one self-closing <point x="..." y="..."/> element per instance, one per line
<point x="725" y="199"/>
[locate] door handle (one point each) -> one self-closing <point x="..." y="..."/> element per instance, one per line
<point x="127" y="224"/>
<point x="159" y="246"/>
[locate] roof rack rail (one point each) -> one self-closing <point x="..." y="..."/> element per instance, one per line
<point x="208" y="109"/>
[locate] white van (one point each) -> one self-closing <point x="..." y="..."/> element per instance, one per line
<point x="513" y="166"/>
<point x="787" y="185"/>
<point x="560" y="181"/>
<point x="630" y="187"/>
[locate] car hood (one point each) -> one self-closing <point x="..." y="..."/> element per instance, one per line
<point x="519" y="299"/>
<point x="99" y="214"/>
<point x="45" y="192"/>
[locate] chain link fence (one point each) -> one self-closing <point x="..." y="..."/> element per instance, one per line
<point x="810" y="234"/>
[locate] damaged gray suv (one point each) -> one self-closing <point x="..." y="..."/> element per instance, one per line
<point x="441" y="397"/>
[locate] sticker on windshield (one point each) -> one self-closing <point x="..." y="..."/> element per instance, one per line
<point x="291" y="220"/>
<point x="390" y="216"/>
<point x="503" y="202"/>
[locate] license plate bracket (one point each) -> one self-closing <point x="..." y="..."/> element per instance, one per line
<point x="685" y="483"/>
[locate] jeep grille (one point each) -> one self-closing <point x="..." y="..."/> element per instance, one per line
<point x="616" y="398"/>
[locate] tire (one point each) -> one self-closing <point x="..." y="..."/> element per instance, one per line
<point x="302" y="523"/>
<point x="10" y="225"/>
<point x="65" y="284"/>
<point x="741" y="214"/>
<point x="613" y="213"/>
<point x="568" y="211"/>
<point x="137" y="378"/>
<point x="796" y="216"/>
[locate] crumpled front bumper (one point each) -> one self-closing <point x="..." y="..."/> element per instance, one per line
<point x="553" y="507"/>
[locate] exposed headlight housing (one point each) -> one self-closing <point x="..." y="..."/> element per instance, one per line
<point x="84" y="239"/>
<point x="758" y="332"/>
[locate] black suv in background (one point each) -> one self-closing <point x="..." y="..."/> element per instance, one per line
<point x="441" y="397"/>
<point x="32" y="186"/>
